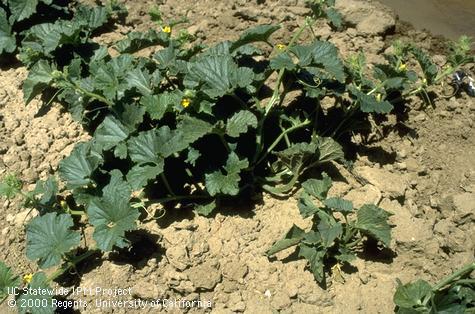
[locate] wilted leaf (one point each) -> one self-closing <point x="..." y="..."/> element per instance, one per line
<point x="258" y="33"/>
<point x="291" y="238"/>
<point x="315" y="260"/>
<point x="373" y="221"/>
<point x="318" y="188"/>
<point x="339" y="204"/>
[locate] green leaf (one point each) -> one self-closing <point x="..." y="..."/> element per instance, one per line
<point x="428" y="66"/>
<point x="39" y="77"/>
<point x="206" y="209"/>
<point x="329" y="229"/>
<point x="157" y="105"/>
<point x="282" y="61"/>
<point x="329" y="150"/>
<point x="334" y="17"/>
<point x="219" y="74"/>
<point x="91" y="17"/>
<point x="413" y="295"/>
<point x="315" y="260"/>
<point x="219" y="183"/>
<point x="22" y="9"/>
<point x="369" y="103"/>
<point x="193" y="156"/>
<point x="145" y="147"/>
<point x="111" y="215"/>
<point x="28" y="303"/>
<point x="295" y="156"/>
<point x="8" y="280"/>
<point x="77" y="168"/>
<point x="339" y="204"/>
<point x="291" y="238"/>
<point x="324" y="54"/>
<point x="240" y="122"/>
<point x="110" y="133"/>
<point x="139" y="175"/>
<point x="258" y="33"/>
<point x="306" y="206"/>
<point x="49" y="237"/>
<point x="140" y="79"/>
<point x="7" y="39"/>
<point x="373" y="221"/>
<point x="48" y="190"/>
<point x="318" y="188"/>
<point x="136" y="41"/>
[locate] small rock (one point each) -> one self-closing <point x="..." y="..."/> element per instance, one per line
<point x="387" y="182"/>
<point x="178" y="257"/>
<point x="281" y="301"/>
<point x="464" y="207"/>
<point x="368" y="194"/>
<point x="204" y="276"/>
<point x="235" y="270"/>
<point x="420" y="117"/>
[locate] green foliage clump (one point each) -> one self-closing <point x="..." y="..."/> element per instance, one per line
<point x="337" y="229"/>
<point x="453" y="294"/>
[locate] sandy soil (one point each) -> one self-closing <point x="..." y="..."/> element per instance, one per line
<point x="422" y="170"/>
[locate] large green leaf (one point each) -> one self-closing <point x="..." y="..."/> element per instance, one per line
<point x="49" y="237"/>
<point x="8" y="281"/>
<point x="219" y="183"/>
<point x="47" y="191"/>
<point x="323" y="54"/>
<point x="206" y="209"/>
<point x="77" y="168"/>
<point x="258" y="33"/>
<point x="22" y="9"/>
<point x="139" y="175"/>
<point x="28" y="303"/>
<point x="140" y="79"/>
<point x="240" y="122"/>
<point x="297" y="155"/>
<point x="413" y="296"/>
<point x="110" y="133"/>
<point x="318" y="188"/>
<point x="282" y="61"/>
<point x="157" y="105"/>
<point x="39" y="77"/>
<point x="145" y="147"/>
<point x="7" y="39"/>
<point x="219" y="74"/>
<point x="111" y="215"/>
<point x="136" y="41"/>
<point x="91" y="17"/>
<point x="291" y="238"/>
<point x="373" y="221"/>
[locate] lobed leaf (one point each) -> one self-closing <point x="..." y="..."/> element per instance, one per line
<point x="77" y="168"/>
<point x="413" y="296"/>
<point x="373" y="221"/>
<point x="240" y="122"/>
<point x="318" y="188"/>
<point x="110" y="133"/>
<point x="49" y="237"/>
<point x="258" y="33"/>
<point x="112" y="215"/>
<point x="219" y="183"/>
<point x="7" y="38"/>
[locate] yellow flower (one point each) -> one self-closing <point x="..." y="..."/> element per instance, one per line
<point x="185" y="102"/>
<point x="166" y="29"/>
<point x="281" y="46"/>
<point x="402" y="67"/>
<point x="378" y="97"/>
<point x="27" y="278"/>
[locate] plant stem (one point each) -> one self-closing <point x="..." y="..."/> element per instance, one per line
<point x="279" y="138"/>
<point x="71" y="263"/>
<point x="178" y="198"/>
<point x="90" y="94"/>
<point x="167" y="185"/>
<point x="459" y="273"/>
